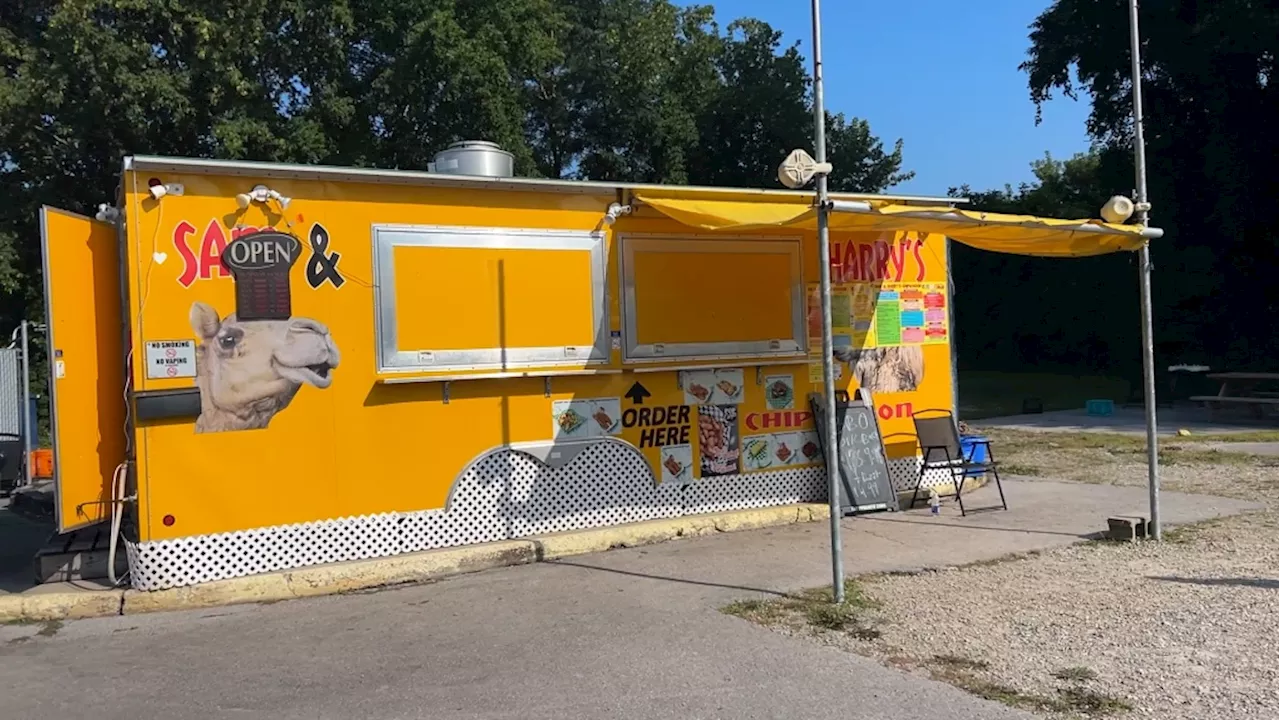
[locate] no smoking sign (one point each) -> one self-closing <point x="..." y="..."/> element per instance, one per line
<point x="171" y="359"/>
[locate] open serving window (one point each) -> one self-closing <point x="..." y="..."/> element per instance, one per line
<point x="711" y="299"/>
<point x="461" y="299"/>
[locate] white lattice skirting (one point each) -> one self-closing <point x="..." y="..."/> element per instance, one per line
<point x="504" y="494"/>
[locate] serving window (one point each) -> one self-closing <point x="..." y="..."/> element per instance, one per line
<point x="712" y="299"/>
<point x="459" y="299"/>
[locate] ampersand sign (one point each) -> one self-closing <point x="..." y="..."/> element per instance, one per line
<point x="323" y="266"/>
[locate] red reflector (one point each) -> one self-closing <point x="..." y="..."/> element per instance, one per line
<point x="168" y="520"/>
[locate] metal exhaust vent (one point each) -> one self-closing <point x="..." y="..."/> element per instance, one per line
<point x="473" y="157"/>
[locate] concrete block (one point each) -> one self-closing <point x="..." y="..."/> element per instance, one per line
<point x="1126" y="527"/>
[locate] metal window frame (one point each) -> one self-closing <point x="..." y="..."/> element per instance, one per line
<point x="391" y="358"/>
<point x="790" y="246"/>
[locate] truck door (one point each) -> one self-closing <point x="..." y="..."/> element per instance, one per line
<point x="86" y="363"/>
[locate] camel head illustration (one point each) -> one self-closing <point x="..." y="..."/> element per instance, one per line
<point x="247" y="371"/>
<point x="885" y="370"/>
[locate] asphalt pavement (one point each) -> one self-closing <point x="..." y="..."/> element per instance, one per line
<point x="631" y="633"/>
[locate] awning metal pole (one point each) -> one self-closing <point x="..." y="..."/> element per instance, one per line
<point x="828" y="350"/>
<point x="1144" y="275"/>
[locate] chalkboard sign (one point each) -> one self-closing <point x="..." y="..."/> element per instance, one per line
<point x="864" y="471"/>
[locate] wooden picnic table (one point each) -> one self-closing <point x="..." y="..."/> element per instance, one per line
<point x="1274" y="377"/>
<point x="1241" y="390"/>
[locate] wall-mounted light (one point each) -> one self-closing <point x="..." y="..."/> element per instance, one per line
<point x="261" y="194"/>
<point x="1118" y="209"/>
<point x="799" y="168"/>
<point x="615" y="210"/>
<point x="106" y="213"/>
<point x="160" y="189"/>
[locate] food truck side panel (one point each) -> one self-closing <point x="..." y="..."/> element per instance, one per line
<point x="332" y="446"/>
<point x="297" y="423"/>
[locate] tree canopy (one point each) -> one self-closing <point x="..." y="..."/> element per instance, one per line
<point x="1209" y="101"/>
<point x="629" y="90"/>
<point x="1210" y="116"/>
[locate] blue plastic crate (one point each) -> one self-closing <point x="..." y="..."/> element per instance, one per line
<point x="974" y="449"/>
<point x="1099" y="407"/>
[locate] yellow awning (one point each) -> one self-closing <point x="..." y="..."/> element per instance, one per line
<point x="1015" y="234"/>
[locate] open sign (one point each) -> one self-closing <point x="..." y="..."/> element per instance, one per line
<point x="267" y="250"/>
<point x="260" y="263"/>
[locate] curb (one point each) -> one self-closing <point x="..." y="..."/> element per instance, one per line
<point x="652" y="532"/>
<point x="393" y="570"/>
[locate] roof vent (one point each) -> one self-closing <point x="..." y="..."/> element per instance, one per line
<point x="473" y="157"/>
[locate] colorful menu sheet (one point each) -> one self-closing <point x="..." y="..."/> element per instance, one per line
<point x="869" y="315"/>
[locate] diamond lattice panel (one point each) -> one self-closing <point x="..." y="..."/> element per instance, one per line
<point x="505" y="494"/>
<point x="755" y="490"/>
<point x="904" y="472"/>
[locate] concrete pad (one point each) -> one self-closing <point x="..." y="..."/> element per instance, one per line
<point x="1124" y="420"/>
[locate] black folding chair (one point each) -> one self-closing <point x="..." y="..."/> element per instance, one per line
<point x="939" y="440"/>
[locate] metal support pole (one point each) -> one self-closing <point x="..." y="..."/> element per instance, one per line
<point x="828" y="349"/>
<point x="951" y="334"/>
<point x="27" y="430"/>
<point x="1144" y="279"/>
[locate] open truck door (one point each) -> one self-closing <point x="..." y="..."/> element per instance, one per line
<point x="86" y="363"/>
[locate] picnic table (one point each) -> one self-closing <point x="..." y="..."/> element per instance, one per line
<point x="1254" y="390"/>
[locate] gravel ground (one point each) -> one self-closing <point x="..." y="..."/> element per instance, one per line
<point x="1185" y="629"/>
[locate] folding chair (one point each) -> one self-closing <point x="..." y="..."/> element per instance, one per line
<point x="940" y="443"/>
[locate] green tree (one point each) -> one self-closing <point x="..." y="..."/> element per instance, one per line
<point x="637" y="90"/>
<point x="1209" y="93"/>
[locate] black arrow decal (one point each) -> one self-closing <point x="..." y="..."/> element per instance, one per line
<point x="637" y="393"/>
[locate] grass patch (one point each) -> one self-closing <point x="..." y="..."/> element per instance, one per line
<point x="967" y="674"/>
<point x="50" y="628"/>
<point x="1023" y="451"/>
<point x="864" y="633"/>
<point x="814" y="608"/>
<point x="1180" y="454"/>
<point x="960" y="662"/>
<point x="1076" y="673"/>
<point x="1251" y="436"/>
<point x="1009" y="440"/>
<point x="765" y="612"/>
<point x="830" y="616"/>
<point x="1040" y="440"/>
<point x="1024" y="470"/>
<point x="1191" y="532"/>
<point x="1001" y="560"/>
<point x="1090" y="703"/>
<point x="963" y="673"/>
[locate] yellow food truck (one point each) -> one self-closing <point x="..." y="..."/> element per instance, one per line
<point x="268" y="366"/>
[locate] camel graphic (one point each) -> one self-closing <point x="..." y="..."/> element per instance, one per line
<point x="885" y="370"/>
<point x="247" y="371"/>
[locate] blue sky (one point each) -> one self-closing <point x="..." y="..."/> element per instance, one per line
<point x="940" y="74"/>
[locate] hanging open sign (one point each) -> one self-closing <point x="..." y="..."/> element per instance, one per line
<point x="260" y="263"/>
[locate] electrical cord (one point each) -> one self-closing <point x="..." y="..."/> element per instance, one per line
<point x="120" y="477"/>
